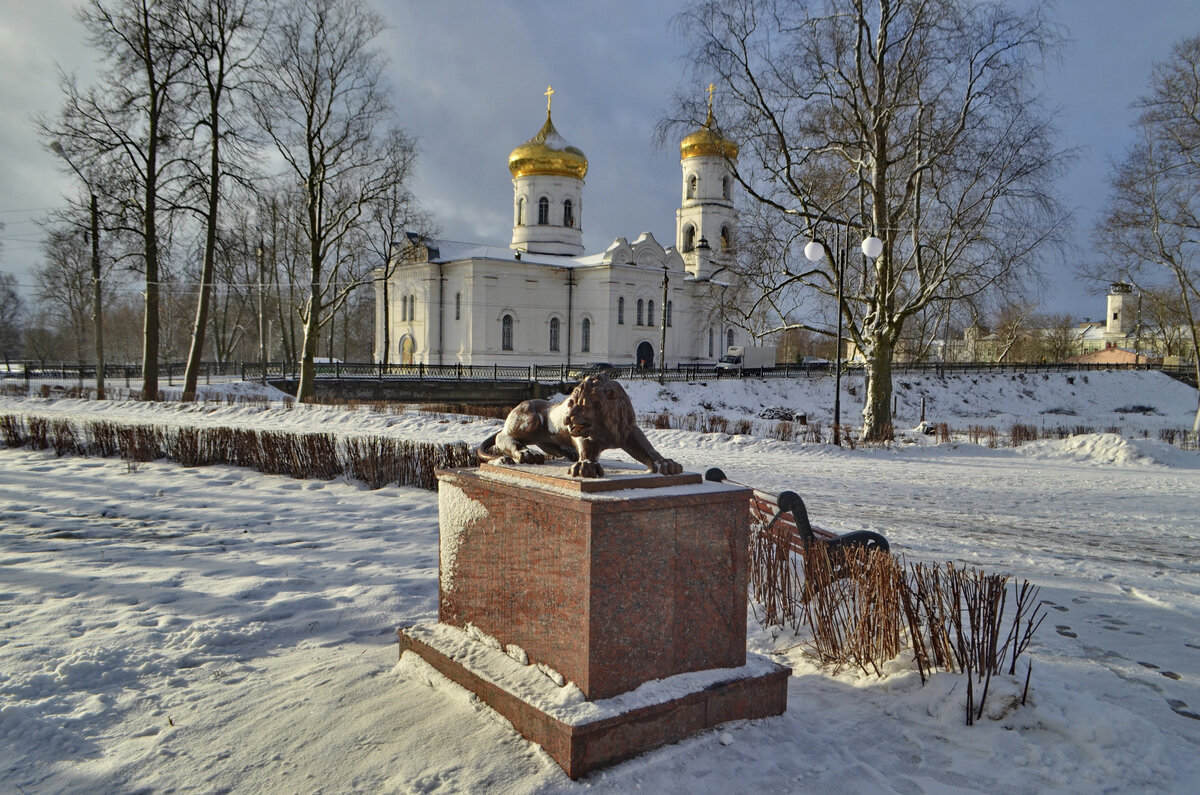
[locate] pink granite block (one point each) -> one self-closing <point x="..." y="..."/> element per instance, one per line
<point x="610" y="588"/>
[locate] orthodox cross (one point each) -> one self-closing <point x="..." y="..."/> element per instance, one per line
<point x="549" y="97"/>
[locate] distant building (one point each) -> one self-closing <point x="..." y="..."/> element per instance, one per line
<point x="541" y="299"/>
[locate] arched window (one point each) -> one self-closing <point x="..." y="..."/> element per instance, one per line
<point x="412" y="307"/>
<point x="621" y="311"/>
<point x="403" y="307"/>
<point x="726" y="187"/>
<point x="553" y="333"/>
<point x="458" y="306"/>
<point x="585" y="336"/>
<point x="729" y="341"/>
<point x="568" y="213"/>
<point x="691" y="186"/>
<point x="640" y="307"/>
<point x="543" y="211"/>
<point x="689" y="238"/>
<point x="649" y="313"/>
<point x="726" y="240"/>
<point x="506" y="333"/>
<point x="668" y="317"/>
<point x="710" y="344"/>
<point x="521" y="211"/>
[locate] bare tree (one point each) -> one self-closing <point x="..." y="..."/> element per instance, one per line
<point x="1153" y="217"/>
<point x="12" y="308"/>
<point x="64" y="287"/>
<point x="910" y="120"/>
<point x="221" y="38"/>
<point x="124" y="128"/>
<point x="326" y="117"/>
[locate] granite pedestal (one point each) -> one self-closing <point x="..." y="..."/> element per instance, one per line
<point x="612" y="583"/>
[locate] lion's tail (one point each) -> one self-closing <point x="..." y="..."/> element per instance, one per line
<point x="486" y="451"/>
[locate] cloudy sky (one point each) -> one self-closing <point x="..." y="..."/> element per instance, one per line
<point x="469" y="76"/>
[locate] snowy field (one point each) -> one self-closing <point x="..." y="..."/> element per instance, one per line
<point x="218" y="630"/>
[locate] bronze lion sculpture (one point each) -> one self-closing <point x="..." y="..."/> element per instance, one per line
<point x="597" y="416"/>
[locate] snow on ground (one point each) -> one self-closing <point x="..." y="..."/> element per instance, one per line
<point x="215" y="629"/>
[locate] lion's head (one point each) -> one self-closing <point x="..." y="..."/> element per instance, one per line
<point x="600" y="409"/>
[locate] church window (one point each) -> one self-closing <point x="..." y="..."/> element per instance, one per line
<point x="640" y="307"/>
<point x="726" y="243"/>
<point x="568" y="213"/>
<point x="691" y="186"/>
<point x="458" y="306"/>
<point x="506" y="333"/>
<point x="710" y="343"/>
<point x="649" y="313"/>
<point x="585" y="336"/>
<point x="543" y="211"/>
<point x="412" y="307"/>
<point x="729" y="339"/>
<point x="403" y="307"/>
<point x="621" y="311"/>
<point x="726" y="187"/>
<point x="689" y="238"/>
<point x="521" y="211"/>
<point x="668" y="315"/>
<point x="553" y="333"/>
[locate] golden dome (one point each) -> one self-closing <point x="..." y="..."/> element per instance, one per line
<point x="547" y="153"/>
<point x="707" y="142"/>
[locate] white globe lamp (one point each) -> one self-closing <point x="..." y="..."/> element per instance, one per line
<point x="814" y="251"/>
<point x="872" y="247"/>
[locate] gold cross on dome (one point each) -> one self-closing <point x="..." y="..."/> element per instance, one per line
<point x="711" y="89"/>
<point x="549" y="97"/>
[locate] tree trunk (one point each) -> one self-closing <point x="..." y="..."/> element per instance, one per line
<point x="312" y="332"/>
<point x="877" y="408"/>
<point x="192" y="374"/>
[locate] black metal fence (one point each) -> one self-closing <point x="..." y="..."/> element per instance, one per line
<point x="170" y="372"/>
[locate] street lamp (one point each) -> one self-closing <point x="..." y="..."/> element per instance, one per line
<point x="872" y="247"/>
<point x="97" y="311"/>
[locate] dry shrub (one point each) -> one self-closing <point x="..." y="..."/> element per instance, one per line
<point x="975" y="433"/>
<point x="813" y="433"/>
<point x="776" y="581"/>
<point x="141" y="442"/>
<point x="13" y="429"/>
<point x="714" y="423"/>
<point x="743" y="427"/>
<point x="1023" y="433"/>
<point x="1082" y="430"/>
<point x="490" y="412"/>
<point x="853" y="606"/>
<point x="64" y="439"/>
<point x="103" y="439"/>
<point x="943" y="433"/>
<point x="374" y="460"/>
<point x="661" y="420"/>
<point x="39" y="429"/>
<point x="784" y="431"/>
<point x="1167" y="435"/>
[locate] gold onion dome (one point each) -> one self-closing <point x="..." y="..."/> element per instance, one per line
<point x="547" y="153"/>
<point x="707" y="142"/>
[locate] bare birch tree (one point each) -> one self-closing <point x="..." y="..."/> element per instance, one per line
<point x="914" y="121"/>
<point x="329" y="119"/>
<point x="1152" y="224"/>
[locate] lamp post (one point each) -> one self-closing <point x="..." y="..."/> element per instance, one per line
<point x="662" y="343"/>
<point x="872" y="247"/>
<point x="97" y="311"/>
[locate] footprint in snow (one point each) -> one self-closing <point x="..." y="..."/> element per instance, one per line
<point x="1065" y="631"/>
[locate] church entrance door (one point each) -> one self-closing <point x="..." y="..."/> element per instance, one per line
<point x="408" y="347"/>
<point x="645" y="355"/>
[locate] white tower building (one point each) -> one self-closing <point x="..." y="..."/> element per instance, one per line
<point x="547" y="193"/>
<point x="1121" y="310"/>
<point x="706" y="212"/>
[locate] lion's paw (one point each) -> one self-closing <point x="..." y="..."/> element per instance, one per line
<point x="531" y="457"/>
<point x="665" y="466"/>
<point x="586" y="469"/>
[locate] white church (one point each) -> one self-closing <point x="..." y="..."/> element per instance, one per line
<point x="544" y="300"/>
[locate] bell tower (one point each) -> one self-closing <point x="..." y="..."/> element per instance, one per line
<point x="706" y="212"/>
<point x="547" y="192"/>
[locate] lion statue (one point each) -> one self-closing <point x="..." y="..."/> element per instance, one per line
<point x="597" y="416"/>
